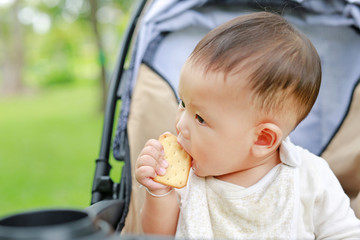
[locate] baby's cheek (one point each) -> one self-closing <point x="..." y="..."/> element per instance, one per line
<point x="177" y="118"/>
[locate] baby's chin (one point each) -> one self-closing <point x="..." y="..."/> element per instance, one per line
<point x="196" y="171"/>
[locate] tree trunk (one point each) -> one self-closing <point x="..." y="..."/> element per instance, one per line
<point x="93" y="6"/>
<point x="14" y="55"/>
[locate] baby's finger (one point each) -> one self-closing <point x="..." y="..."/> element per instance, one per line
<point x="144" y="172"/>
<point x="152" y="185"/>
<point x="153" y="152"/>
<point x="149" y="161"/>
<point x="155" y="149"/>
<point x="154" y="143"/>
<point x="146" y="160"/>
<point x="144" y="175"/>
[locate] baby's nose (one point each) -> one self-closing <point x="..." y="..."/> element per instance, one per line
<point x="182" y="127"/>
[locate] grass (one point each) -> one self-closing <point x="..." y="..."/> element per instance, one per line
<point x="48" y="146"/>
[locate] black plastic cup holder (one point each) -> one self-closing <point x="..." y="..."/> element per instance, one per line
<point x="58" y="224"/>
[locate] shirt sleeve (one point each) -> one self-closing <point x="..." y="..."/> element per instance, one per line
<point x="333" y="216"/>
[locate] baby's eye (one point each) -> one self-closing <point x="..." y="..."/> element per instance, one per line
<point x="182" y="104"/>
<point x="200" y="119"/>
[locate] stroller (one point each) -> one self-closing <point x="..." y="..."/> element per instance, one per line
<point x="160" y="37"/>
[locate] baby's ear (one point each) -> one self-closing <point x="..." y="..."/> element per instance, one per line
<point x="267" y="139"/>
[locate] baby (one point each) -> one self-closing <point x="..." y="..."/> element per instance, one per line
<point x="245" y="87"/>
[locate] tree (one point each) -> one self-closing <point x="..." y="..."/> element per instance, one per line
<point x="54" y="34"/>
<point x="14" y="54"/>
<point x="101" y="54"/>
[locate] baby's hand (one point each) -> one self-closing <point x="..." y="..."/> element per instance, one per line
<point x="149" y="164"/>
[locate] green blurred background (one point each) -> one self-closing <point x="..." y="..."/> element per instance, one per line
<point x="56" y="61"/>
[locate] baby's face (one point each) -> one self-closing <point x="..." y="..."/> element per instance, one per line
<point x="215" y="122"/>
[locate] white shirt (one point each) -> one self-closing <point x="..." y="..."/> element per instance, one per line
<point x="298" y="199"/>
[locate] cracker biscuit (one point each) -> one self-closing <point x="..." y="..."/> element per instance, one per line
<point x="179" y="161"/>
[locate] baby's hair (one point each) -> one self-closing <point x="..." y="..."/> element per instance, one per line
<point x="280" y="61"/>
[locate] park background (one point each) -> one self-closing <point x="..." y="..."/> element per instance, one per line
<point x="56" y="61"/>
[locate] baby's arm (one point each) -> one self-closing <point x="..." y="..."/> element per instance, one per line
<point x="159" y="214"/>
<point x="334" y="218"/>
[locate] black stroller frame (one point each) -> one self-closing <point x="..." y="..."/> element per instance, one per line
<point x="118" y="195"/>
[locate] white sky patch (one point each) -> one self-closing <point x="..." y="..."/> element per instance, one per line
<point x="41" y="22"/>
<point x="6" y="3"/>
<point x="51" y="3"/>
<point x="108" y="14"/>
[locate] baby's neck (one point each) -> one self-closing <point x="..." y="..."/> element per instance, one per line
<point x="249" y="177"/>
